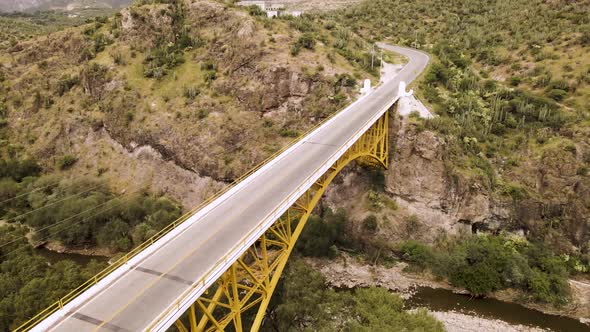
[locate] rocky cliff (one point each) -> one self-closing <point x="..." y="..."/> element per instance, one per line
<point x="434" y="196"/>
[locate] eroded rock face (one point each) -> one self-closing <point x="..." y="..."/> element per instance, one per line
<point x="553" y="191"/>
<point x="271" y="88"/>
<point x="557" y="176"/>
<point x="417" y="169"/>
<point x="420" y="181"/>
<point x="564" y="193"/>
<point x="144" y="25"/>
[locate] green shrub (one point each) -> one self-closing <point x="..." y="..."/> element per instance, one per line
<point x="370" y="224"/>
<point x="515" y="80"/>
<point x="161" y="59"/>
<point x="344" y="80"/>
<point x="209" y="70"/>
<point x="100" y="42"/>
<point x="115" y="235"/>
<point x="478" y="279"/>
<point x="66" y="162"/>
<point x="19" y="169"/>
<point x="303" y="299"/>
<point x="93" y="78"/>
<point x="34" y="282"/>
<point x="254" y="10"/>
<point x="557" y="94"/>
<point x="320" y="234"/>
<point x="560" y="85"/>
<point x="209" y="76"/>
<point x="208" y="65"/>
<point x="118" y="58"/>
<point x="202" y="113"/>
<point x="66" y="83"/>
<point x="378" y="310"/>
<point x="483" y="264"/>
<point x="129" y="116"/>
<point x="3" y="109"/>
<point x="295" y="49"/>
<point x="515" y="191"/>
<point x="437" y="73"/>
<point x="286" y="132"/>
<point x="191" y="92"/>
<point x="306" y="40"/>
<point x="417" y="253"/>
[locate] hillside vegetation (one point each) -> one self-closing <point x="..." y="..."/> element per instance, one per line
<point x="171" y="99"/>
<point x="173" y="76"/>
<point x="507" y="155"/>
<point x="511" y="85"/>
<point x="304" y="303"/>
<point x="104" y="125"/>
<point x="15" y="27"/>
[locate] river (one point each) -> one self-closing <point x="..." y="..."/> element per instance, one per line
<point x="437" y="299"/>
<point x="53" y="257"/>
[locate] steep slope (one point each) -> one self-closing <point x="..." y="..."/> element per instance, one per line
<point x="207" y="87"/>
<point x="175" y="98"/>
<point x="510" y="84"/>
<point x="505" y="160"/>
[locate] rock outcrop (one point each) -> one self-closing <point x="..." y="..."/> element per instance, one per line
<point x="420" y="180"/>
<point x="544" y="190"/>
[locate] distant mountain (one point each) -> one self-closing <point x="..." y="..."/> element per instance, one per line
<point x="33" y="5"/>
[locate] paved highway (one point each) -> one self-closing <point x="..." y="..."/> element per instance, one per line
<point x="137" y="293"/>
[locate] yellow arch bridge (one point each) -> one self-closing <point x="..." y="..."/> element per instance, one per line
<point x="216" y="267"/>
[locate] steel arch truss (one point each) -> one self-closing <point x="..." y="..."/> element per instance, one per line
<point x="249" y="283"/>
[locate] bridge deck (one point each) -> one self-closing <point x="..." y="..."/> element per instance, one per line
<point x="150" y="286"/>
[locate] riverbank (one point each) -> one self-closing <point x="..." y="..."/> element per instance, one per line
<point x="458" y="322"/>
<point x="347" y="272"/>
<point x="89" y="251"/>
<point x="350" y="272"/>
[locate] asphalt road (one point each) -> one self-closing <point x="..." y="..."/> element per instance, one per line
<point x="133" y="300"/>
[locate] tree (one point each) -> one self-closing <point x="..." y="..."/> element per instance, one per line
<point x="379" y="310"/>
<point x="319" y="234"/>
<point x="302" y="302"/>
<point x="437" y="74"/>
<point x="115" y="235"/>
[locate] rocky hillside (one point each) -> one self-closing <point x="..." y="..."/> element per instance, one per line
<point x="181" y="96"/>
<point x="509" y="149"/>
<point x="506" y="156"/>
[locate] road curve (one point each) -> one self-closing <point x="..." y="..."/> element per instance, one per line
<point x="133" y="296"/>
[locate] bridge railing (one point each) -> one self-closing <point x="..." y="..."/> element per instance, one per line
<point x="60" y="303"/>
<point x="262" y="226"/>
